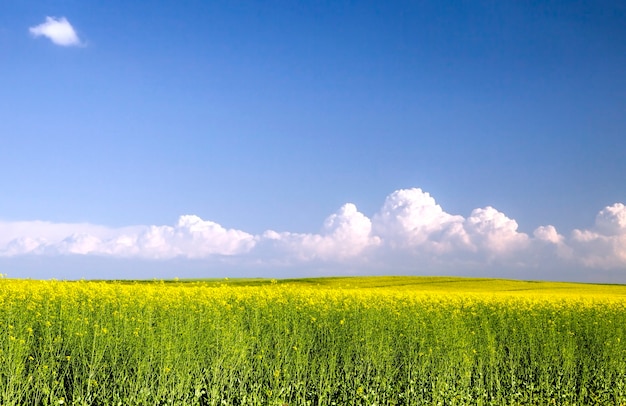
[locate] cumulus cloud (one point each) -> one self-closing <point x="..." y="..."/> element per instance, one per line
<point x="410" y="218"/>
<point x="22" y="245"/>
<point x="190" y="237"/>
<point x="548" y="234"/>
<point x="42" y="233"/>
<point x="604" y="245"/>
<point x="611" y="221"/>
<point x="409" y="231"/>
<point x="57" y="30"/>
<point x="345" y="234"/>
<point x="494" y="232"/>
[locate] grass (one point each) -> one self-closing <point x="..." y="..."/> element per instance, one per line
<point x="326" y="341"/>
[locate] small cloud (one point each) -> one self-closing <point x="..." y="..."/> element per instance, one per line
<point x="58" y="30"/>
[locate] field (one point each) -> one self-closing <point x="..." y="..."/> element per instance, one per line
<point x="327" y="341"/>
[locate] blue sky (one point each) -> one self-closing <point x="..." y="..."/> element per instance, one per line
<point x="306" y="138"/>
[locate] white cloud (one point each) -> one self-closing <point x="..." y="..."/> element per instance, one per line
<point x="612" y="220"/>
<point x="604" y="246"/>
<point x="191" y="237"/>
<point x="346" y="234"/>
<point x="494" y="232"/>
<point x="410" y="218"/>
<point x="548" y="234"/>
<point x="58" y="30"/>
<point x="34" y="236"/>
<point x="21" y="246"/>
<point x="79" y="244"/>
<point x="410" y="231"/>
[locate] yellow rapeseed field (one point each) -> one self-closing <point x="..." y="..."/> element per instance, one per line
<point x="341" y="341"/>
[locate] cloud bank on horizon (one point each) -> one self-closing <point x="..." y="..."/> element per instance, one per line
<point x="57" y="30"/>
<point x="409" y="229"/>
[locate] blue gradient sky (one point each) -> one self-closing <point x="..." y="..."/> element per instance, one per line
<point x="272" y="115"/>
